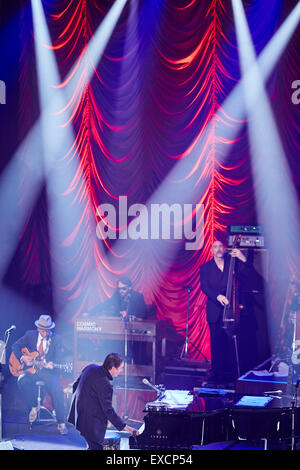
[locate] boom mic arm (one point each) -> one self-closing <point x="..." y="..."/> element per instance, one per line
<point x="159" y="390"/>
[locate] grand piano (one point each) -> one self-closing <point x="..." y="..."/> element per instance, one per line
<point x="181" y="419"/>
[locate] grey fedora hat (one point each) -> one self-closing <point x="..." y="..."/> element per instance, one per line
<point x="45" y="322"/>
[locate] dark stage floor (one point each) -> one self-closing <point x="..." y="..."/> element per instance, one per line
<point x="18" y="435"/>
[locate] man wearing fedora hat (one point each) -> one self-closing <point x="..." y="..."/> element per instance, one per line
<point x="49" y="346"/>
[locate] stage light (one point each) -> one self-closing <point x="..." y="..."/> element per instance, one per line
<point x="276" y="198"/>
<point x="34" y="170"/>
<point x="73" y="225"/>
<point x="62" y="167"/>
<point x="191" y="170"/>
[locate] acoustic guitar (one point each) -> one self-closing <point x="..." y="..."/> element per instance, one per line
<point x="16" y="368"/>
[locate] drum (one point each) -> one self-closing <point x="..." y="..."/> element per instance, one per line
<point x="112" y="441"/>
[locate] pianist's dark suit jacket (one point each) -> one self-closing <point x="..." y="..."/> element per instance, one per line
<point x="113" y="306"/>
<point x="91" y="406"/>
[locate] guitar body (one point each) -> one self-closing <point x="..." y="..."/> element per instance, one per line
<point x="17" y="369"/>
<point x="15" y="366"/>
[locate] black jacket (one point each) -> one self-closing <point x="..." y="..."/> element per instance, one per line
<point x="91" y="406"/>
<point x="213" y="282"/>
<point x="113" y="306"/>
<point x="29" y="341"/>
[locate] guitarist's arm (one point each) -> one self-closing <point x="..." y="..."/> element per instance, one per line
<point x="17" y="350"/>
<point x="55" y="354"/>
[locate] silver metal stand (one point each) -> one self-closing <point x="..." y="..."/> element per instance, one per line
<point x="184" y="351"/>
<point x="7" y="334"/>
<point x="236" y="355"/>
<point x="126" y="366"/>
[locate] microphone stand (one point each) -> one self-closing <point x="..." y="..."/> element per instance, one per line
<point x="126" y="364"/>
<point x="293" y="416"/>
<point x="7" y="332"/>
<point x="184" y="351"/>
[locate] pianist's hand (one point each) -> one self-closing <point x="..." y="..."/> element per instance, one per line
<point x="131" y="430"/>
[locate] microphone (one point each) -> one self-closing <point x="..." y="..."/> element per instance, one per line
<point x="187" y="287"/>
<point x="146" y="382"/>
<point x="13" y="327"/>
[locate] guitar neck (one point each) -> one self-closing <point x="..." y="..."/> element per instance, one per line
<point x="42" y="363"/>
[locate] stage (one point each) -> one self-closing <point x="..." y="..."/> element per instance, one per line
<point x="150" y="220"/>
<point x="207" y="406"/>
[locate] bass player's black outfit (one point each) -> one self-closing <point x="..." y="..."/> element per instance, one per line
<point x="213" y="282"/>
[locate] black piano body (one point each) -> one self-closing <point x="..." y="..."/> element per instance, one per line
<point x="205" y="416"/>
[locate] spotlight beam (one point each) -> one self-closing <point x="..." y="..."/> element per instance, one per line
<point x="87" y="63"/>
<point x="61" y="166"/>
<point x="275" y="193"/>
<point x="66" y="212"/>
<point x="34" y="170"/>
<point x="187" y="170"/>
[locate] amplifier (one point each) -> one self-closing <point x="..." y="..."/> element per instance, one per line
<point x="251" y="235"/>
<point x="248" y="241"/>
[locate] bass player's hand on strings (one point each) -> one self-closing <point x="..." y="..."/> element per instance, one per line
<point x="236" y="253"/>
<point x="223" y="300"/>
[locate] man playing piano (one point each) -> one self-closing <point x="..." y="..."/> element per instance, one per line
<point x="91" y="407"/>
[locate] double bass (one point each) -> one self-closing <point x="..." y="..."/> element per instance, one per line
<point x="231" y="310"/>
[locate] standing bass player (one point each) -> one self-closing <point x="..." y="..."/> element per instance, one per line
<point x="213" y="281"/>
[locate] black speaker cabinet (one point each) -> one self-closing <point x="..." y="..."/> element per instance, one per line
<point x="257" y="278"/>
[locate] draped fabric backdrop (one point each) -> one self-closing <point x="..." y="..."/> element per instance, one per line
<point x="164" y="75"/>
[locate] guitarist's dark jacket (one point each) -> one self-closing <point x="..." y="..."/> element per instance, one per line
<point x="29" y="341"/>
<point x="91" y="406"/>
<point x="213" y="282"/>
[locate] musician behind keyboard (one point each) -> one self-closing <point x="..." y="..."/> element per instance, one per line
<point x="129" y="304"/>
<point x="124" y="302"/>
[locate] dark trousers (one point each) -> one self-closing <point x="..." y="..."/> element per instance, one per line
<point x="27" y="386"/>
<point x="223" y="357"/>
<point x="93" y="445"/>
